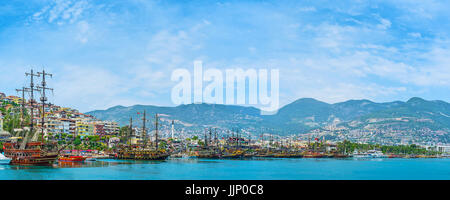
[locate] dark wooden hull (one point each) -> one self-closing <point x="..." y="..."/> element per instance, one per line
<point x="314" y="156"/>
<point x="142" y="155"/>
<point x="239" y="156"/>
<point x="263" y="156"/>
<point x="209" y="156"/>
<point x="33" y="154"/>
<point x="341" y="156"/>
<point x="162" y="157"/>
<point x="34" y="160"/>
<point x="287" y="156"/>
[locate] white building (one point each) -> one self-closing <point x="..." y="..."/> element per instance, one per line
<point x="444" y="149"/>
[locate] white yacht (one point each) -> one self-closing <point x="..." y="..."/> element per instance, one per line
<point x="357" y="154"/>
<point x="4" y="160"/>
<point x="369" y="154"/>
<point x="376" y="154"/>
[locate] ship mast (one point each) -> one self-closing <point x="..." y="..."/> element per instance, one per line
<point x="156" y="131"/>
<point x="216" y="139"/>
<point x="210" y="136"/>
<point x="32" y="88"/>
<point x="22" y="109"/>
<point x="130" y="132"/>
<point x="238" y="138"/>
<point x="173" y="129"/>
<point x="261" y="139"/>
<point x="144" y="131"/>
<point x="43" y="87"/>
<point x="206" y="139"/>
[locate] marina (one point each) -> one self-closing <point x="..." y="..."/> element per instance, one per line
<point x="224" y="90"/>
<point x="84" y="148"/>
<point x="246" y="169"/>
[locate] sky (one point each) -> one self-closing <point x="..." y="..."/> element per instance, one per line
<point x="108" y="53"/>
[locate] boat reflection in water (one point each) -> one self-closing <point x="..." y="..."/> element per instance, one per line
<point x="69" y="164"/>
<point x="67" y="158"/>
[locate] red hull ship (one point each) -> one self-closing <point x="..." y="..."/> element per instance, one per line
<point x="35" y="153"/>
<point x="72" y="159"/>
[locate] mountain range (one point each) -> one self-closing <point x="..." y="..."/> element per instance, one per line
<point x="415" y="116"/>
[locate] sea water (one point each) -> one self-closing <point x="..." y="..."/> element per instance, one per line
<point x="252" y="169"/>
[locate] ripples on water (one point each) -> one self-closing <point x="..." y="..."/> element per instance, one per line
<point x="248" y="169"/>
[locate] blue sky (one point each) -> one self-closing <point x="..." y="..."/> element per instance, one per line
<point x="107" y="53"/>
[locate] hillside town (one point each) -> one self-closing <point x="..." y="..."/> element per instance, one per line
<point x="60" y="123"/>
<point x="85" y="132"/>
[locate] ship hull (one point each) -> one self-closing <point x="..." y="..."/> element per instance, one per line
<point x="164" y="157"/>
<point x="233" y="156"/>
<point x="72" y="159"/>
<point x="34" y="160"/>
<point x="142" y="155"/>
<point x="209" y="156"/>
<point x="32" y="155"/>
<point x="5" y="161"/>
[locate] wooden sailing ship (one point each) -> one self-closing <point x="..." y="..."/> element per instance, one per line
<point x="209" y="150"/>
<point x="141" y="152"/>
<point x="234" y="154"/>
<point x="34" y="152"/>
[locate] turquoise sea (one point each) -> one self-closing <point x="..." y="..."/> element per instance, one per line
<point x="253" y="169"/>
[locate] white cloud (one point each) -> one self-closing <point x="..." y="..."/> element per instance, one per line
<point x="307" y="9"/>
<point x="83" y="31"/>
<point x="90" y="87"/>
<point x="166" y="48"/>
<point x="415" y="35"/>
<point x="435" y="72"/>
<point x="340" y="92"/>
<point x="61" y="12"/>
<point x="100" y="88"/>
<point x="332" y="57"/>
<point x="384" y="24"/>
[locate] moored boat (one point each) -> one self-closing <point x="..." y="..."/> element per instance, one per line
<point x="34" y="153"/>
<point x="91" y="159"/>
<point x="208" y="153"/>
<point x="394" y="156"/>
<point x="142" y="154"/>
<point x="233" y="154"/>
<point x="4" y="160"/>
<point x="339" y="155"/>
<point x="142" y="151"/>
<point x="369" y="154"/>
<point x="72" y="159"/>
<point x="29" y="150"/>
<point x="313" y="155"/>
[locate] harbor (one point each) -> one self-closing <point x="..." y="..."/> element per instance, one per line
<point x="226" y="169"/>
<point x="224" y="90"/>
<point x="47" y="142"/>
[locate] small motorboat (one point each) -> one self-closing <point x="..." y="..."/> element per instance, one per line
<point x="72" y="159"/>
<point x="4" y="160"/>
<point x="91" y="159"/>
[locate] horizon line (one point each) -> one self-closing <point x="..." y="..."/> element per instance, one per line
<point x="253" y="106"/>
